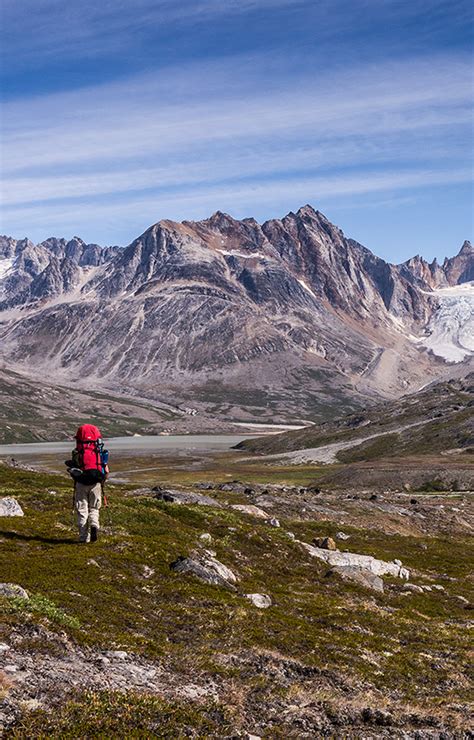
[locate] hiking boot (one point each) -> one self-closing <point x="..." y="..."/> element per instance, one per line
<point x="94" y="534"/>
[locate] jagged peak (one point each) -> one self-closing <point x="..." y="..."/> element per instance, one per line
<point x="307" y="210"/>
<point x="466" y="248"/>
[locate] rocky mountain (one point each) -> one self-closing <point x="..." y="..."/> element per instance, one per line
<point x="288" y="316"/>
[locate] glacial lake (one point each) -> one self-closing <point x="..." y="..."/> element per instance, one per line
<point x="173" y="442"/>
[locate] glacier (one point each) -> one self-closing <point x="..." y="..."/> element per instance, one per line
<point x="450" y="331"/>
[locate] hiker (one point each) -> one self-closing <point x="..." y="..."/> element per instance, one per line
<point x="88" y="468"/>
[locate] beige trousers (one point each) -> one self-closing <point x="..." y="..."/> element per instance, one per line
<point x="87" y="500"/>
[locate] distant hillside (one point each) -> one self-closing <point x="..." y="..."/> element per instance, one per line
<point x="436" y="419"/>
<point x="32" y="411"/>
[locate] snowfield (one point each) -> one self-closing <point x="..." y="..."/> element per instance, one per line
<point x="450" y="332"/>
<point x="6" y="263"/>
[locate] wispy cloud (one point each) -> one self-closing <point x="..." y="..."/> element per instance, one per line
<point x="195" y="126"/>
<point x="120" y="113"/>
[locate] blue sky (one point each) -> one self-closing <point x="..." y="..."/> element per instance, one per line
<point x="119" y="113"/>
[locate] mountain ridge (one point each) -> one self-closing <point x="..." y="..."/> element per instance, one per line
<point x="290" y="307"/>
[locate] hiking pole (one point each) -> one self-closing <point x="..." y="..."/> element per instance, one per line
<point x="74" y="505"/>
<point x="106" y="506"/>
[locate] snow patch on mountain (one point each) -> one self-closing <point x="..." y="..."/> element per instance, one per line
<point x="247" y="256"/>
<point x="5" y="266"/>
<point x="307" y="288"/>
<point x="450" y="331"/>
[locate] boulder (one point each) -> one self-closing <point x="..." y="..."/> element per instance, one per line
<point x="261" y="601"/>
<point x="357" y="575"/>
<point x="342" y="536"/>
<point x="250" y="509"/>
<point x="10" y="507"/>
<point x="206" y="538"/>
<point x="183" y="497"/>
<point x="274" y="522"/>
<point x="11" y="590"/>
<point x="413" y="588"/>
<point x="326" y="543"/>
<point x="367" y="562"/>
<point x="207" y="568"/>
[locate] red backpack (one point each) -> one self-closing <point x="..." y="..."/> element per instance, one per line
<point x="90" y="449"/>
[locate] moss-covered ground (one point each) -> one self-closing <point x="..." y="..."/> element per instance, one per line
<point x="410" y="649"/>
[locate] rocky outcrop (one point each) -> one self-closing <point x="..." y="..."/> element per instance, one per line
<point x="360" y="576"/>
<point x="207" y="568"/>
<point x="183" y="497"/>
<point x="10" y="507"/>
<point x="351" y="559"/>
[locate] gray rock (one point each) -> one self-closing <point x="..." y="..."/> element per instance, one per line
<point x="274" y="522"/>
<point x="358" y="575"/>
<point x="206" y="537"/>
<point x="10" y="507"/>
<point x="413" y="588"/>
<point x="207" y="568"/>
<point x="342" y="536"/>
<point x="261" y="601"/>
<point x="291" y="535"/>
<point x="117" y="654"/>
<point x="367" y="562"/>
<point x="11" y="590"/>
<point x="250" y="509"/>
<point x="184" y="497"/>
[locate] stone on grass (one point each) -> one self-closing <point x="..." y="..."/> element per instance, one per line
<point x="10" y="507"/>
<point x="183" y="497"/>
<point x="207" y="568"/>
<point x="274" y="522"/>
<point x="342" y="536"/>
<point x="413" y="588"/>
<point x="325" y="543"/>
<point x="379" y="567"/>
<point x="261" y="601"/>
<point x="11" y="590"/>
<point x="250" y="509"/>
<point x="358" y="575"/>
<point x="205" y="537"/>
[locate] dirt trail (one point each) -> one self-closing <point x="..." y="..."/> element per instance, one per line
<point x="328" y="453"/>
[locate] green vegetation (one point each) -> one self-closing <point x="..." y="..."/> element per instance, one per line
<point x="101" y="596"/>
<point x="106" y="714"/>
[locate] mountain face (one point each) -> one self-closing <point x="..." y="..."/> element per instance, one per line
<point x="288" y="315"/>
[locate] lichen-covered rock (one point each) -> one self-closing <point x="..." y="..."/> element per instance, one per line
<point x="261" y="601"/>
<point x="378" y="567"/>
<point x="250" y="509"/>
<point x="207" y="568"/>
<point x="361" y="576"/>
<point x="11" y="590"/>
<point x="413" y="588"/>
<point x="10" y="507"/>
